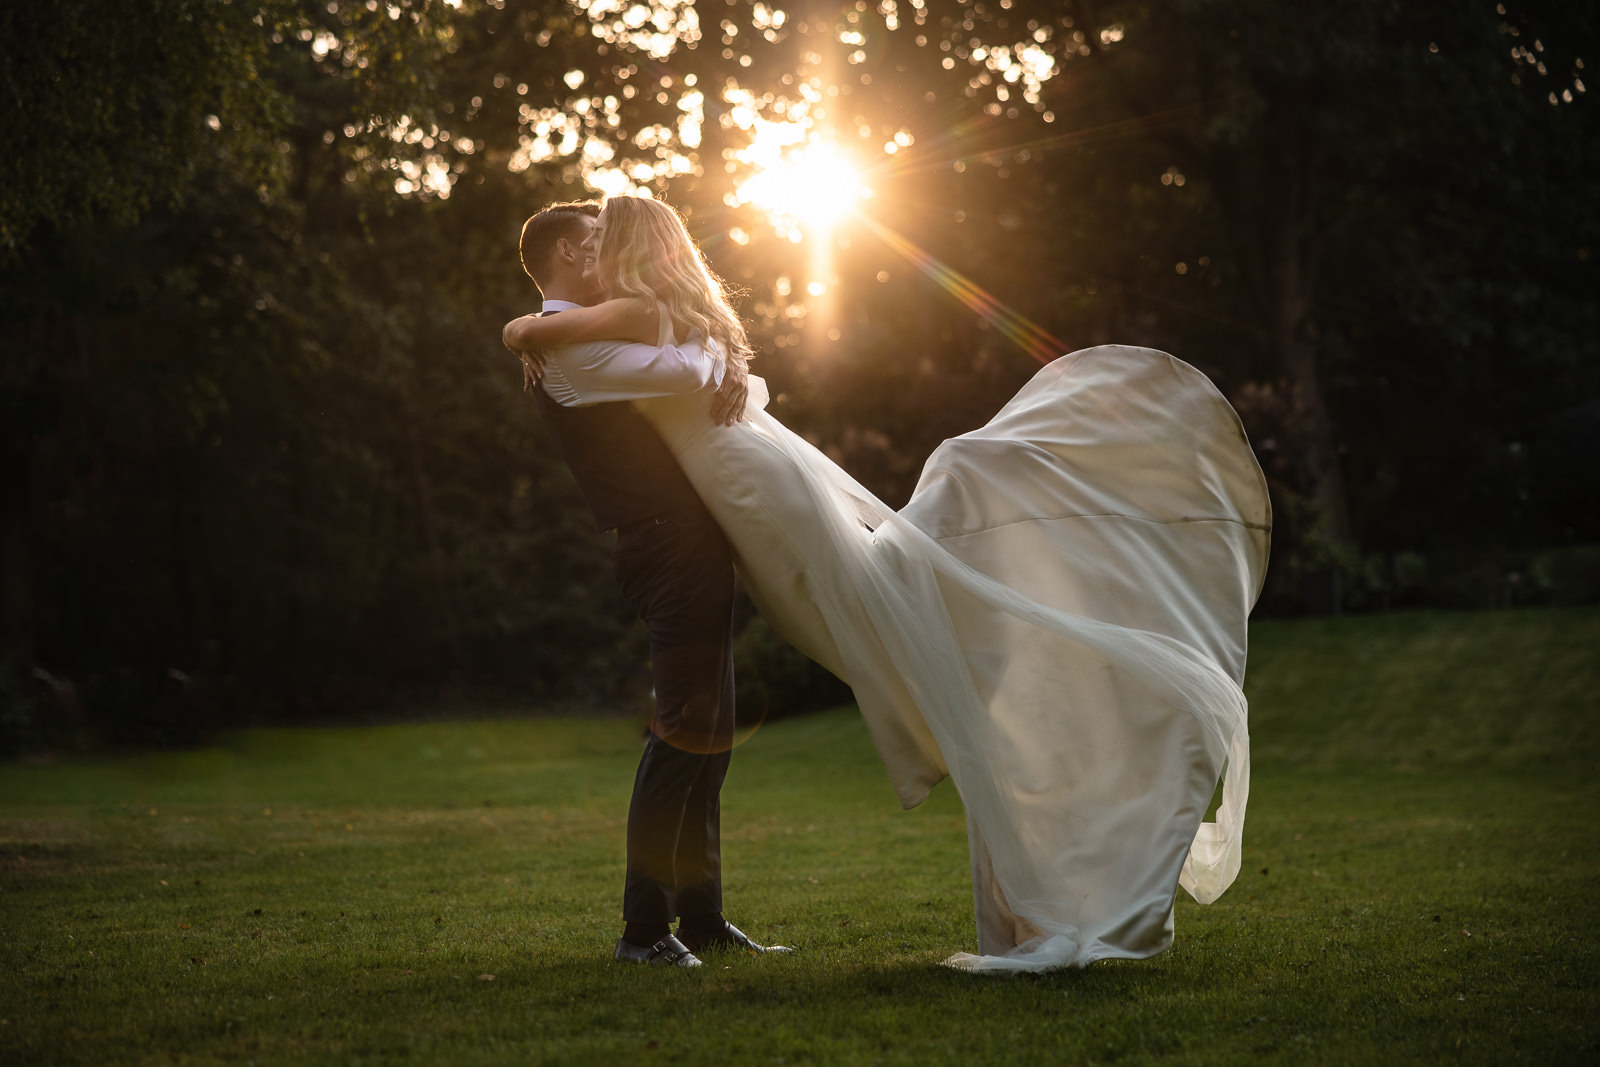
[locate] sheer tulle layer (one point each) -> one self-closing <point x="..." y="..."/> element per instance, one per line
<point x="1056" y="621"/>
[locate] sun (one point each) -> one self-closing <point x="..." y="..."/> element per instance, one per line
<point x="806" y="188"/>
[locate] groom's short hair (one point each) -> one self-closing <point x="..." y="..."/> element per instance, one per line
<point x="541" y="232"/>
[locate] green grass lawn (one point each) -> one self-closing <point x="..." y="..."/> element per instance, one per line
<point x="1421" y="885"/>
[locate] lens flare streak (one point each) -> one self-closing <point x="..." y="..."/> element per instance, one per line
<point x="1017" y="328"/>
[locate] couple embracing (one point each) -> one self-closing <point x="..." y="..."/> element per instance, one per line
<point x="1056" y="620"/>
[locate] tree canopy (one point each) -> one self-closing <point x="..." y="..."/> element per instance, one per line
<point x="256" y="256"/>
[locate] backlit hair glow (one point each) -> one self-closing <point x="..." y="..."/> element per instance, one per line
<point x="645" y="251"/>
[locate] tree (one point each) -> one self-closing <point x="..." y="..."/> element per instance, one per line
<point x="267" y="435"/>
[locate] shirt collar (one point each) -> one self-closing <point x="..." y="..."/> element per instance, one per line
<point x="559" y="305"/>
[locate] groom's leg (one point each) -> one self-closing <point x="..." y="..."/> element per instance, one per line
<point x="679" y="576"/>
<point x="699" y="852"/>
<point x="674" y="838"/>
<point x="648" y="897"/>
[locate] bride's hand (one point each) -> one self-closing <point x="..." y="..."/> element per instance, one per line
<point x="727" y="405"/>
<point x="532" y="369"/>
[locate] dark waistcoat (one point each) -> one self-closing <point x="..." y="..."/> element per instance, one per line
<point x="622" y="466"/>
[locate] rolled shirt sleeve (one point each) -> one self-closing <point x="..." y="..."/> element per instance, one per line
<point x="603" y="372"/>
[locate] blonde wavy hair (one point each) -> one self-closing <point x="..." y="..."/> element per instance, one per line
<point x="646" y="251"/>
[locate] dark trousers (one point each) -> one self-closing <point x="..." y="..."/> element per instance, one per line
<point x="678" y="575"/>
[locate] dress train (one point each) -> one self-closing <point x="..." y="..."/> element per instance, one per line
<point x="1056" y="620"/>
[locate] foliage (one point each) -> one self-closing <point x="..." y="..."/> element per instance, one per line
<point x="773" y="681"/>
<point x="18" y="716"/>
<point x="265" y="436"/>
<point x="446" y="893"/>
<point x="110" y="103"/>
<point x="235" y="414"/>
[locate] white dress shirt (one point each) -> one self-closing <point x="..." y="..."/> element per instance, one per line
<point x="601" y="372"/>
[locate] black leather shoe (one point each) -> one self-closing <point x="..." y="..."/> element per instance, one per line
<point x="729" y="937"/>
<point x="668" y="952"/>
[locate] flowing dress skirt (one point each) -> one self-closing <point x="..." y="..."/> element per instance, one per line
<point x="1056" y="621"/>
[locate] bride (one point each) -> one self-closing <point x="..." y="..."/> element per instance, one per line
<point x="1056" y="621"/>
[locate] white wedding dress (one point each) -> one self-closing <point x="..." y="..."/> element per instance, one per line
<point x="1056" y="621"/>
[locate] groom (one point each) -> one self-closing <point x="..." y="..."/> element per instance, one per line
<point x="674" y="568"/>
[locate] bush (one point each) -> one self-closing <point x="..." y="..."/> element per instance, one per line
<point x="1567" y="576"/>
<point x="17" y="724"/>
<point x="773" y="681"/>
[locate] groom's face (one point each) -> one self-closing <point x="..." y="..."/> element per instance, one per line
<point x="590" y="249"/>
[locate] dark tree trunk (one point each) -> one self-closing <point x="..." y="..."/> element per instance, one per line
<point x="1288" y="207"/>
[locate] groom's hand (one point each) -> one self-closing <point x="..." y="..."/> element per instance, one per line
<point x="727" y="406"/>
